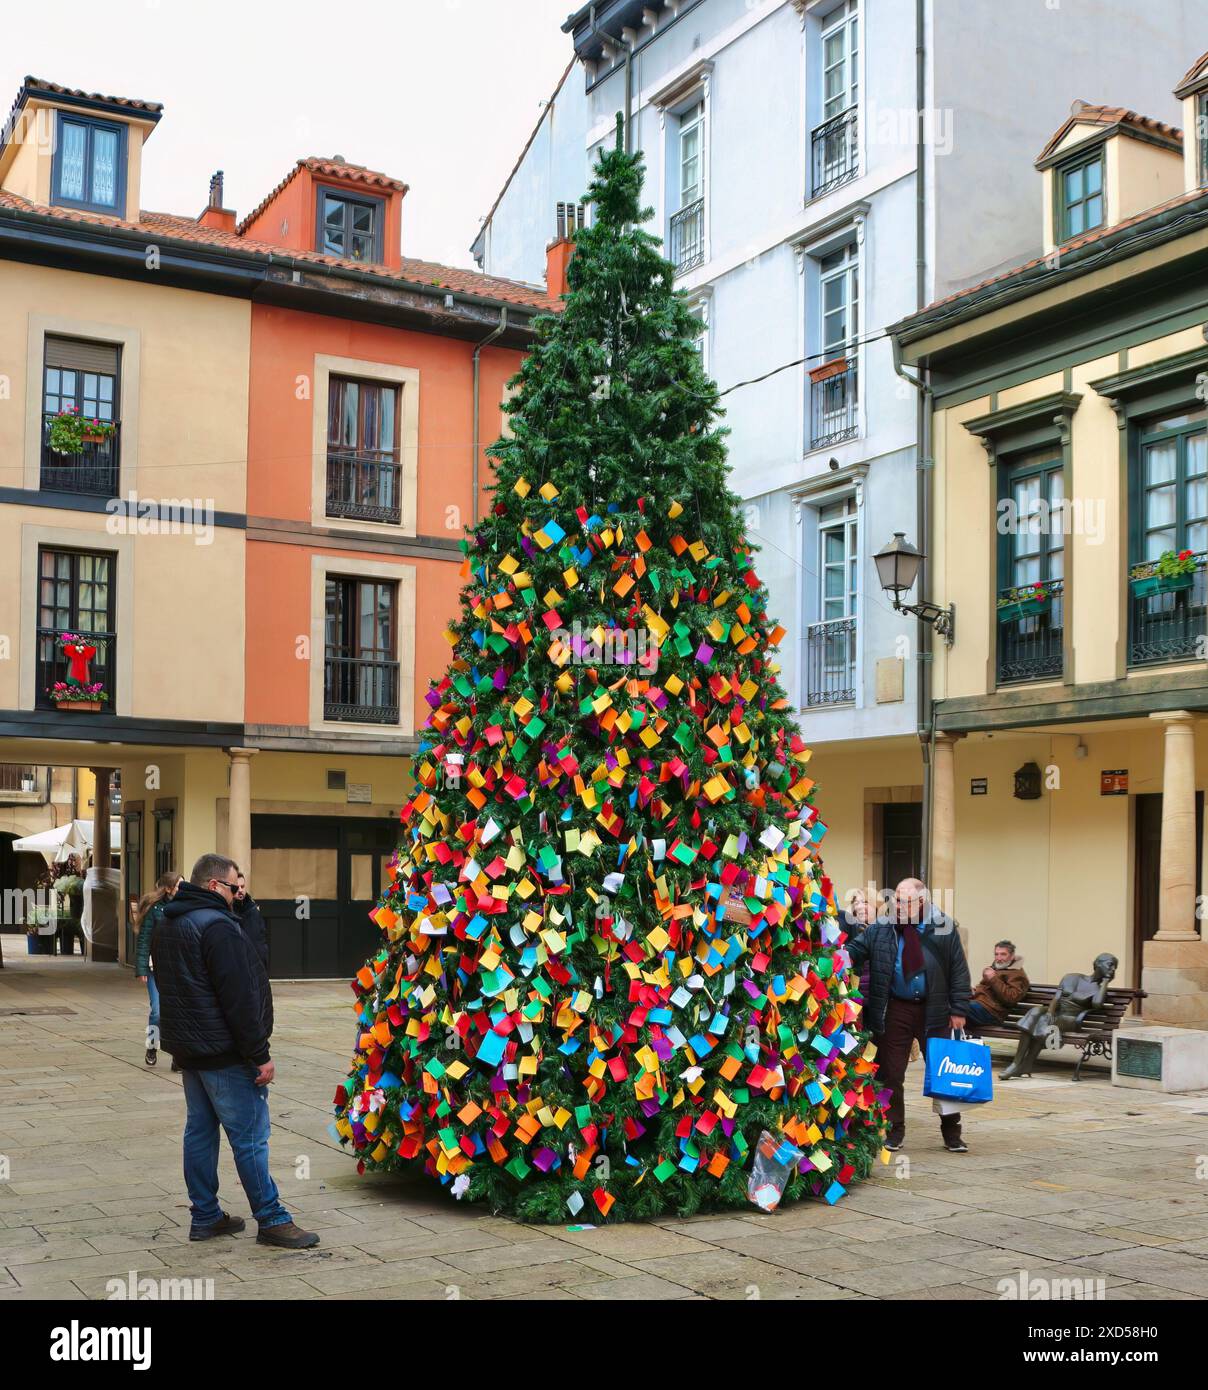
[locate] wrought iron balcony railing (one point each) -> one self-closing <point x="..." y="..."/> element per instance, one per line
<point x="364" y="486"/>
<point x="688" y="236"/>
<point x="1031" y="629"/>
<point x="54" y="665"/>
<point x="95" y="469"/>
<point x="830" y="662"/>
<point x="22" y="782"/>
<point x="360" y="690"/>
<point x="833" y="153"/>
<point x="1168" y="619"/>
<point x="834" y="400"/>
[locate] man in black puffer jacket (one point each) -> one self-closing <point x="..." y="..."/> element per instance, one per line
<point x="918" y="988"/>
<point x="216" y="1017"/>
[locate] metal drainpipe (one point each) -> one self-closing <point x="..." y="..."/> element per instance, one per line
<point x="490" y="338"/>
<point x="628" y="95"/>
<point x="926" y="732"/>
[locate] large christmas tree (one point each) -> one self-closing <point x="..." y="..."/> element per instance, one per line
<point x="610" y="958"/>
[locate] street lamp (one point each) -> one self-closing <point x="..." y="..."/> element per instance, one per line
<point x="898" y="567"/>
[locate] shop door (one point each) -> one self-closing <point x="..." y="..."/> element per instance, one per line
<point x="316" y="879"/>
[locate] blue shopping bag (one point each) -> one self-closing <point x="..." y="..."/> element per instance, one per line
<point x="958" y="1069"/>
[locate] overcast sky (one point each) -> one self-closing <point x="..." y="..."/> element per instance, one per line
<point x="440" y="93"/>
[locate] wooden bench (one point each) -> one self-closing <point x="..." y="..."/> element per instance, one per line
<point x="1094" y="1037"/>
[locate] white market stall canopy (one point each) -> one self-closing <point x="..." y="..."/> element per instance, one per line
<point x="63" y="841"/>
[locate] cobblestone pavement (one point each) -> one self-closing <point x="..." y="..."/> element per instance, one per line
<point x="1062" y="1182"/>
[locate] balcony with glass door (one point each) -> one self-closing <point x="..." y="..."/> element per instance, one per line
<point x="1168" y="579"/>
<point x="81" y="434"/>
<point x="833" y="146"/>
<point x="834" y="387"/>
<point x="361" y="668"/>
<point x="830" y="645"/>
<point x="686" y="234"/>
<point x="364" y="475"/>
<point x="1030" y="605"/>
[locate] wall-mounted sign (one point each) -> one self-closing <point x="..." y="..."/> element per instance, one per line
<point x="1114" y="782"/>
<point x="977" y="786"/>
<point x="360" y="791"/>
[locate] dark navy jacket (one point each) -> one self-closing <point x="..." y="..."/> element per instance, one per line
<point x="944" y="963"/>
<point x="215" y="1003"/>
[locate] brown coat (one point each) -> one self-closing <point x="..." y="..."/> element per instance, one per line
<point x="1007" y="986"/>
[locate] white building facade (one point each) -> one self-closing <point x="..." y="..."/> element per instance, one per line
<point x="817" y="170"/>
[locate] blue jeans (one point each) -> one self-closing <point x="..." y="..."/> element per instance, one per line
<point x="152" y="1011"/>
<point x="228" y="1097"/>
<point x="978" y="1013"/>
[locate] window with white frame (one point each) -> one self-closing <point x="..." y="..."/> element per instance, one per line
<point x="833" y="151"/>
<point x="837" y="571"/>
<point x="687" y="231"/>
<point x="830" y="643"/>
<point x="840" y="50"/>
<point x="699" y="309"/>
<point x="834" y="393"/>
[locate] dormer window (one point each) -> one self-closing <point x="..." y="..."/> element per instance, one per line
<point x="89" y="164"/>
<point x="1080" y="206"/>
<point x="349" y="227"/>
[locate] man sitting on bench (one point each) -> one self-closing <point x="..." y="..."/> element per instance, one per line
<point x="1001" y="985"/>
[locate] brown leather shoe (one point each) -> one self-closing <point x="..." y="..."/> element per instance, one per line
<point x="287" y="1236"/>
<point x="228" y="1226"/>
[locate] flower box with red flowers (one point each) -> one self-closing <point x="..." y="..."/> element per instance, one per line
<point x="1170" y="573"/>
<point x="1024" y="602"/>
<point x="74" y="695"/>
<point x="70" y="431"/>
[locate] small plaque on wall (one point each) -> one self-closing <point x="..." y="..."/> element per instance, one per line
<point x="1114" y="782"/>
<point x="360" y="791"/>
<point x="1139" y="1057"/>
<point x="978" y="786"/>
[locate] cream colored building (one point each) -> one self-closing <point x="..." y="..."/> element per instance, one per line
<point x="1070" y="455"/>
<point x="245" y="709"/>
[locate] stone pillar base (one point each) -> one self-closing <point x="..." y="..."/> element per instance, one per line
<point x="1161" y="1059"/>
<point x="1174" y="975"/>
<point x="102" y="896"/>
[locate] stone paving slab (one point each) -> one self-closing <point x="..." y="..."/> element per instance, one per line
<point x="1063" y="1182"/>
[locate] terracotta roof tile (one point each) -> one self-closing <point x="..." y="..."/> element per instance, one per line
<point x="1107" y="116"/>
<point x="1195" y="71"/>
<point x="330" y="168"/>
<point x="152" y="108"/>
<point x="1086" y="239"/>
<point x="428" y="274"/>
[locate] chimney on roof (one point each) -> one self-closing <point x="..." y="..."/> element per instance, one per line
<point x="214" y="214"/>
<point x="568" y="219"/>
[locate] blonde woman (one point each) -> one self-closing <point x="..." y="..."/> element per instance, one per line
<point x="146" y="915"/>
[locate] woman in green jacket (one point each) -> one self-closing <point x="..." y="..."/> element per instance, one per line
<point x="146" y="915"/>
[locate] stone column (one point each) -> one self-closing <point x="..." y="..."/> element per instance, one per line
<point x="1178" y="888"/>
<point x="101" y="882"/>
<point x="941" y="863"/>
<point x="239" y="815"/>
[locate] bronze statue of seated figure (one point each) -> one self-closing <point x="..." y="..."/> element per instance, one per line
<point x="1041" y="1027"/>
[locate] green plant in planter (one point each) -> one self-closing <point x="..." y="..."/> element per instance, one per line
<point x="1023" y="602"/>
<point x="1171" y="572"/>
<point x="70" y="431"/>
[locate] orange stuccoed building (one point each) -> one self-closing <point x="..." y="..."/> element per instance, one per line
<point x="260" y="538"/>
